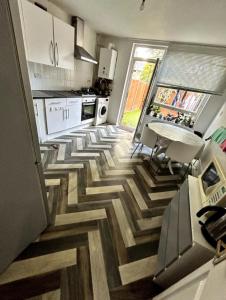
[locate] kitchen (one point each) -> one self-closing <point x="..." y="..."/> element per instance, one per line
<point x="96" y="226"/>
<point x="66" y="109"/>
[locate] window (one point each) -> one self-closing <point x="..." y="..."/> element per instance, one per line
<point x="149" y="53"/>
<point x="195" y="68"/>
<point x="180" y="100"/>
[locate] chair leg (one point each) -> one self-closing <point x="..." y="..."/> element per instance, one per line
<point x="170" y="166"/>
<point x="135" y="150"/>
<point x="142" y="145"/>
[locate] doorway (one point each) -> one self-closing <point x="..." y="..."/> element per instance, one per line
<point x="141" y="69"/>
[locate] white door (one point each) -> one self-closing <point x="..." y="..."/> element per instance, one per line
<point x="206" y="283"/>
<point x="74" y="108"/>
<point x="56" y="115"/>
<point x="64" y="37"/>
<point x="38" y="26"/>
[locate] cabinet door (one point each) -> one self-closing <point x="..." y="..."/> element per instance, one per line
<point x="38" y="27"/>
<point x="74" y="108"/>
<point x="64" y="37"/>
<point x="56" y="115"/>
<point x="205" y="283"/>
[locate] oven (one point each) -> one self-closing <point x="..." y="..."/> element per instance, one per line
<point x="88" y="108"/>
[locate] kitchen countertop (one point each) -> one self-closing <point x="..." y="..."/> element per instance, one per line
<point x="54" y="94"/>
<point x="38" y="94"/>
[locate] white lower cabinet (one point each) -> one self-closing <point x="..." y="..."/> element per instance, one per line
<point x="62" y="114"/>
<point x="55" y="115"/>
<point x="74" y="107"/>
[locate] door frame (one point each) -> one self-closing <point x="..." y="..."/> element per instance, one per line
<point x="129" y="77"/>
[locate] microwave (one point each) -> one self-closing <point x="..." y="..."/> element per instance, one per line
<point x="212" y="183"/>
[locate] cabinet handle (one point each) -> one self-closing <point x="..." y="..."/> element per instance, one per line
<point x="53" y="103"/>
<point x="68" y="113"/>
<point x="51" y="52"/>
<point x="57" y="51"/>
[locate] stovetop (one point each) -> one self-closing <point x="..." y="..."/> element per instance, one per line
<point x="85" y="92"/>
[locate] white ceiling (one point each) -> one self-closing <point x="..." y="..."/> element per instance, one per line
<point x="173" y="20"/>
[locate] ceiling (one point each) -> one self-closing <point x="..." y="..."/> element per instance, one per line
<point x="172" y="20"/>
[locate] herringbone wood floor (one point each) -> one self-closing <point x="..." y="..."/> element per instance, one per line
<point x="106" y="217"/>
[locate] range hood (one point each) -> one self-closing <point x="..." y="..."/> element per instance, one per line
<point x="80" y="52"/>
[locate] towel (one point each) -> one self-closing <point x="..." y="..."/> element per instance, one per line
<point x="219" y="136"/>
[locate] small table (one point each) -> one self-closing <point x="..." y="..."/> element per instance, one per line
<point x="174" y="133"/>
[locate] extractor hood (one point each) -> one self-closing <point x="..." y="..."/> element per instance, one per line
<point x="80" y="52"/>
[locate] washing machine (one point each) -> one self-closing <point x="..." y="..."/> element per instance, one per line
<point x="101" y="110"/>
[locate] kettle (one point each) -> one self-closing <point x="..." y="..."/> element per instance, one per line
<point x="214" y="228"/>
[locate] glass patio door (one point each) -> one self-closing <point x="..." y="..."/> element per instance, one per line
<point x="138" y="87"/>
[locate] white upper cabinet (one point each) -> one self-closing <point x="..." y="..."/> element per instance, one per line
<point x="48" y="40"/>
<point x="64" y="36"/>
<point x="38" y="27"/>
<point x="107" y="63"/>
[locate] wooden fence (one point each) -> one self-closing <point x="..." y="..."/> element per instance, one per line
<point x="136" y="95"/>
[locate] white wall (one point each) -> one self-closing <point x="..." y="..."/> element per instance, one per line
<point x="124" y="47"/>
<point x="208" y="113"/>
<point x="49" y="78"/>
<point x="218" y="121"/>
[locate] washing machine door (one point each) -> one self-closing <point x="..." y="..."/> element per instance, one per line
<point x="102" y="111"/>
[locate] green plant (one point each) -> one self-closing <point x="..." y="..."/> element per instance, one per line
<point x="146" y="73"/>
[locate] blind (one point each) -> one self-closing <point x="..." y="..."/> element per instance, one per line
<point x="194" y="68"/>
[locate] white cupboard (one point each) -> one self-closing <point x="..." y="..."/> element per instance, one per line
<point x="55" y="115"/>
<point x="38" y="28"/>
<point x="107" y="63"/>
<point x="48" y="40"/>
<point x="64" y="36"/>
<point x="62" y="114"/>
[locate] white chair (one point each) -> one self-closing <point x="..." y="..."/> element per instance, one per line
<point x="181" y="153"/>
<point x="148" y="138"/>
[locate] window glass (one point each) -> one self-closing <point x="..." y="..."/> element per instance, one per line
<point x="181" y="99"/>
<point x="149" y="53"/>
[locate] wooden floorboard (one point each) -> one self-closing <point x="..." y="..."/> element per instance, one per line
<point x="106" y="213"/>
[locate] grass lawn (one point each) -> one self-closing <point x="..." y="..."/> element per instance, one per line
<point x="131" y="118"/>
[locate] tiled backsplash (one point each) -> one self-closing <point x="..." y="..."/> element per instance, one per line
<point x="44" y="77"/>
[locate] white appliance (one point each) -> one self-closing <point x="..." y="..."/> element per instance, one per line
<point x="107" y="63"/>
<point x="212" y="180"/>
<point x="101" y="110"/>
<point x="88" y="108"/>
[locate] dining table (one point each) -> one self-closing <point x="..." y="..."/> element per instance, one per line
<point x="173" y="132"/>
<point x="168" y="133"/>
